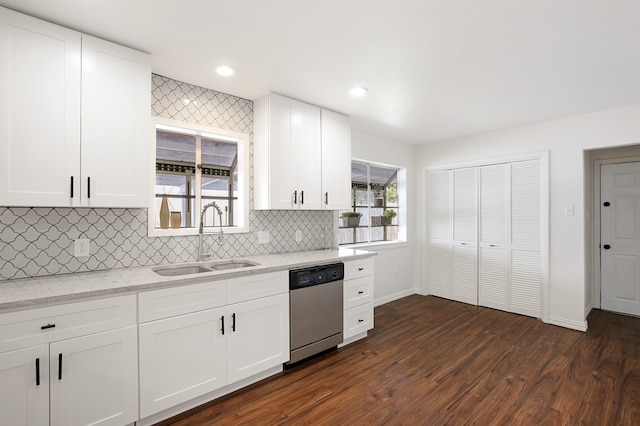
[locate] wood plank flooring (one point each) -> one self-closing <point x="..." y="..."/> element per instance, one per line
<point x="431" y="361"/>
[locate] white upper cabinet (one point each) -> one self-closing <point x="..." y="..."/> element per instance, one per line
<point x="290" y="158"/>
<point x="53" y="83"/>
<point x="39" y="111"/>
<point x="116" y="111"/>
<point x="336" y="161"/>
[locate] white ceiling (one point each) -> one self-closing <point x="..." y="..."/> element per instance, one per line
<point x="435" y="69"/>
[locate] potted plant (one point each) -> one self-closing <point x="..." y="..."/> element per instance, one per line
<point x="351" y="219"/>
<point x="387" y="216"/>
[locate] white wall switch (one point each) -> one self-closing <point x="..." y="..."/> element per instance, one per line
<point x="298" y="236"/>
<point x="263" y="237"/>
<point x="81" y="248"/>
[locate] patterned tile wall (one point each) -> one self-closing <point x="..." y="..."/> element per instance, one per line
<point x="40" y="241"/>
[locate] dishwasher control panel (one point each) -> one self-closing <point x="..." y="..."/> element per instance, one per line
<point x="315" y="275"/>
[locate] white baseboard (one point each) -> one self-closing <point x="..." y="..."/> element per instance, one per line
<point x="396" y="296"/>
<point x="567" y="323"/>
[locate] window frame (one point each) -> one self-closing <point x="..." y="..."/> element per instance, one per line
<point x="401" y="209"/>
<point x="242" y="141"/>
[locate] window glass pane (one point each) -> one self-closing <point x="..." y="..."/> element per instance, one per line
<point x="175" y="147"/>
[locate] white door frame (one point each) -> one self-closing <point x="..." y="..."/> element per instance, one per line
<point x="596" y="286"/>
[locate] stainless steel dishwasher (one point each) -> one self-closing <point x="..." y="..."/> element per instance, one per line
<point x="315" y="297"/>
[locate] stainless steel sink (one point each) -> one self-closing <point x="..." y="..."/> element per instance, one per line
<point x="231" y="264"/>
<point x="173" y="271"/>
<point x="178" y="270"/>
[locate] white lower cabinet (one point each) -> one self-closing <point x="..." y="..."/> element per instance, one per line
<point x="78" y="379"/>
<point x="25" y="394"/>
<point x="186" y="356"/>
<point x="358" y="299"/>
<point x="181" y="358"/>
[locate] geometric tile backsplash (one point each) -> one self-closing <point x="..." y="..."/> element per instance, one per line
<point x="40" y="241"/>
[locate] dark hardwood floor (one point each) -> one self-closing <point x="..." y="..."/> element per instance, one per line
<point x="431" y="361"/>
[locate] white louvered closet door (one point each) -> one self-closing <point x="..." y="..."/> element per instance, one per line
<point x="526" y="239"/>
<point x="439" y="234"/>
<point x="493" y="254"/>
<point x="464" y="279"/>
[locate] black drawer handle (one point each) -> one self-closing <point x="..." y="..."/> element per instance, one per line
<point x="45" y="327"/>
<point x="361" y="292"/>
<point x="360" y="269"/>
<point x="233" y="322"/>
<point x="360" y="320"/>
<point x="37" y="371"/>
<point x="222" y="329"/>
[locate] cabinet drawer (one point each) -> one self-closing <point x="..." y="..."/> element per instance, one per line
<point x="358" y="292"/>
<point x="30" y="327"/>
<point x="358" y="320"/>
<point x="169" y="302"/>
<point x="358" y="268"/>
<point x="256" y="286"/>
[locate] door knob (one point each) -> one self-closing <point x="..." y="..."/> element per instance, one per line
<point x="606" y="246"/>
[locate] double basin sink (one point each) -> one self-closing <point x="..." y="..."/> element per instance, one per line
<point x="178" y="270"/>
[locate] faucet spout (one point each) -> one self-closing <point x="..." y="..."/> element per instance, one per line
<point x="201" y="254"/>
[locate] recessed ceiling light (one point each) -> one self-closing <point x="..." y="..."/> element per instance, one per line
<point x="358" y="91"/>
<point x="226" y="70"/>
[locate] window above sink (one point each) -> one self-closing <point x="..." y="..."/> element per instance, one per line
<point x="195" y="165"/>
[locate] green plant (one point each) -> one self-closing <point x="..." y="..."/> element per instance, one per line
<point x="389" y="213"/>
<point x="351" y="214"/>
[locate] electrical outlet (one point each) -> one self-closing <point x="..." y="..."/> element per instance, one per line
<point x="298" y="236"/>
<point x="263" y="237"/>
<point x="81" y="248"/>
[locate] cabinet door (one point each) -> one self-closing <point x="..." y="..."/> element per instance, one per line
<point x="24" y="386"/>
<point x="336" y="161"/>
<point x="94" y="379"/>
<point x="258" y="335"/>
<point x="181" y="358"/>
<point x="306" y="137"/>
<point x="39" y="112"/>
<point x="116" y="114"/>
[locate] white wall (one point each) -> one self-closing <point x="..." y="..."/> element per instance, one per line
<point x="565" y="139"/>
<point x="395" y="266"/>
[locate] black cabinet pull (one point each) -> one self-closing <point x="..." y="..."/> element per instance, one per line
<point x="360" y="269"/>
<point x="361" y="292"/>
<point x="222" y="329"/>
<point x="59" y="366"/>
<point x="233" y="322"/>
<point x="607" y="204"/>
<point x="606" y="246"/>
<point x="45" y="327"/>
<point x="326" y="198"/>
<point x="37" y="371"/>
<point x="360" y="320"/>
<point x="295" y="197"/>
<point x="71" y="186"/>
<point x="301" y="197"/>
<point x="88" y="187"/>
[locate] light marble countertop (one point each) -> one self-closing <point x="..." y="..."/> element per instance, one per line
<point x="31" y="292"/>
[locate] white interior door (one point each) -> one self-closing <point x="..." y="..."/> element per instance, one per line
<point x="620" y="237"/>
